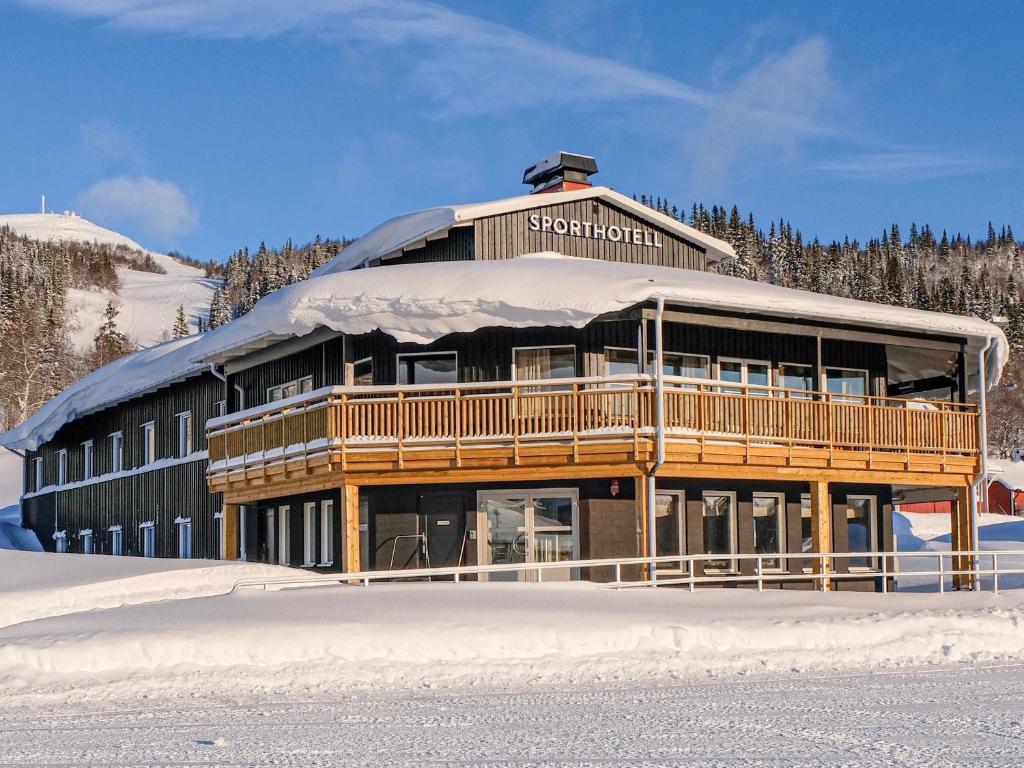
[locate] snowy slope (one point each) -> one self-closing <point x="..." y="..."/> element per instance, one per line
<point x="148" y="301"/>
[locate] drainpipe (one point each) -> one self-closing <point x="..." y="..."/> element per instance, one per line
<point x="659" y="425"/>
<point x="983" y="429"/>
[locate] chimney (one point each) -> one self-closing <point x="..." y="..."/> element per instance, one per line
<point x="560" y="172"/>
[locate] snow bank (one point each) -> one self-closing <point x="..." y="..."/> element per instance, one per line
<point x="36" y="585"/>
<point x="421" y="303"/>
<point x="334" y="637"/>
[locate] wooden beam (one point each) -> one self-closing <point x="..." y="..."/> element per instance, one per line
<point x="640" y="497"/>
<point x="350" y="529"/>
<point x="229" y="521"/>
<point x="821" y="528"/>
<point x="961" y="537"/>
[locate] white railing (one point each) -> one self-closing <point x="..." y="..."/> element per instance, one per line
<point x="821" y="572"/>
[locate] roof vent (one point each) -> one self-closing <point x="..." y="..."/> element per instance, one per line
<point x="561" y="172"/>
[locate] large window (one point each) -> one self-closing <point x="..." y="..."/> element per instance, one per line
<point x="797" y="379"/>
<point x="769" y="528"/>
<point x="87" y="460"/>
<point x="284" y="535"/>
<point x="619" y="361"/>
<point x="62" y="466"/>
<point x="755" y="373"/>
<point x="719" y="529"/>
<point x="428" y="368"/>
<point x="85" y="541"/>
<point x="847" y="385"/>
<point x="538" y="363"/>
<point x="148" y="443"/>
<point x="184" y="434"/>
<point x="290" y="389"/>
<point x="669" y="530"/>
<point x="116" y="452"/>
<point x="860" y="529"/>
<point x="806" y="524"/>
<point x="683" y="365"/>
<point x="326" y="531"/>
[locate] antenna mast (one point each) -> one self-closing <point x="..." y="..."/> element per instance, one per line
<point x="42" y="204"/>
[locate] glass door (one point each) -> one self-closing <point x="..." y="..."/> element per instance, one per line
<point x="528" y="527"/>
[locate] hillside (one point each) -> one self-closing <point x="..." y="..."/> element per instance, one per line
<point x="148" y="301"/>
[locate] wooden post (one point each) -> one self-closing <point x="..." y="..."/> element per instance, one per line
<point x="640" y="495"/>
<point x="229" y="519"/>
<point x="821" y="528"/>
<point x="960" y="538"/>
<point x="350" y="529"/>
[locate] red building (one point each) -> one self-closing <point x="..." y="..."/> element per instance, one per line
<point x="1003" y="499"/>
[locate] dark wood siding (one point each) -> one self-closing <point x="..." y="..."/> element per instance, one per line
<point x="509" y="235"/>
<point x="161" y="495"/>
<point x="324" y="362"/>
<point x="458" y="246"/>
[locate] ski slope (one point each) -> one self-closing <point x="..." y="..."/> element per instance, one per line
<point x="148" y="301"/>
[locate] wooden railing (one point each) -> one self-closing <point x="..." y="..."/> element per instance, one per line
<point x="580" y="410"/>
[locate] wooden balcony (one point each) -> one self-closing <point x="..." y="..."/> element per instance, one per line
<point x="586" y="427"/>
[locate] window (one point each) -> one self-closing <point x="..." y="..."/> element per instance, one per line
<point x="218" y="524"/>
<point x="184" y="434"/>
<point x="326" y="531"/>
<point x="116" y="540"/>
<point x="799" y="379"/>
<point x="846" y="385"/>
<point x="85" y="541"/>
<point x="116" y="452"/>
<point x="769" y="528"/>
<point x="362" y="372"/>
<point x="860" y="529"/>
<point x="291" y="389"/>
<point x="184" y="537"/>
<point x="87" y="459"/>
<point x="749" y="372"/>
<point x="221" y="408"/>
<point x="60" y="542"/>
<point x="148" y="443"/>
<point x="620" y="362"/>
<point x="719" y="529"/>
<point x="806" y="524"/>
<point x="37" y="465"/>
<point x="683" y="365"/>
<point x="148" y="533"/>
<point x="308" y="533"/>
<point x="62" y="466"/>
<point x="283" y="538"/>
<point x="538" y="363"/>
<point x="669" y="537"/>
<point x="428" y="368"/>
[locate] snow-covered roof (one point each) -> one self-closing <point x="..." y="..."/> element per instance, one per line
<point x="421" y="303"/>
<point x="410" y="229"/>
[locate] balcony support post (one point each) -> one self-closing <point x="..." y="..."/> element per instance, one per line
<point x="821" y="530"/>
<point x="350" y="529"/>
<point x="961" y="537"/>
<point x="229" y="519"/>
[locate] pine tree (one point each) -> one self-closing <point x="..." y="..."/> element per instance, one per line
<point x="180" y="329"/>
<point x="109" y="343"/>
<point x="220" y="313"/>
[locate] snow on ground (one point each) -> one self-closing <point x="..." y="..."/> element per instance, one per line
<point x="152" y="662"/>
<point x="10" y="481"/>
<point x="148" y="301"/>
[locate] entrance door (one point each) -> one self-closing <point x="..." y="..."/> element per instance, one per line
<point x="528" y="527"/>
<point x="443" y="525"/>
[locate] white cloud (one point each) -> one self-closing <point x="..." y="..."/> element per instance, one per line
<point x="770" y="109"/>
<point x="903" y="165"/>
<point x="106" y="142"/>
<point x="157" y="208"/>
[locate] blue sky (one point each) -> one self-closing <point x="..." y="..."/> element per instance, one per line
<point x="205" y="125"/>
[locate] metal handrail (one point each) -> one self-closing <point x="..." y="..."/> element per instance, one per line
<point x="822" y="576"/>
